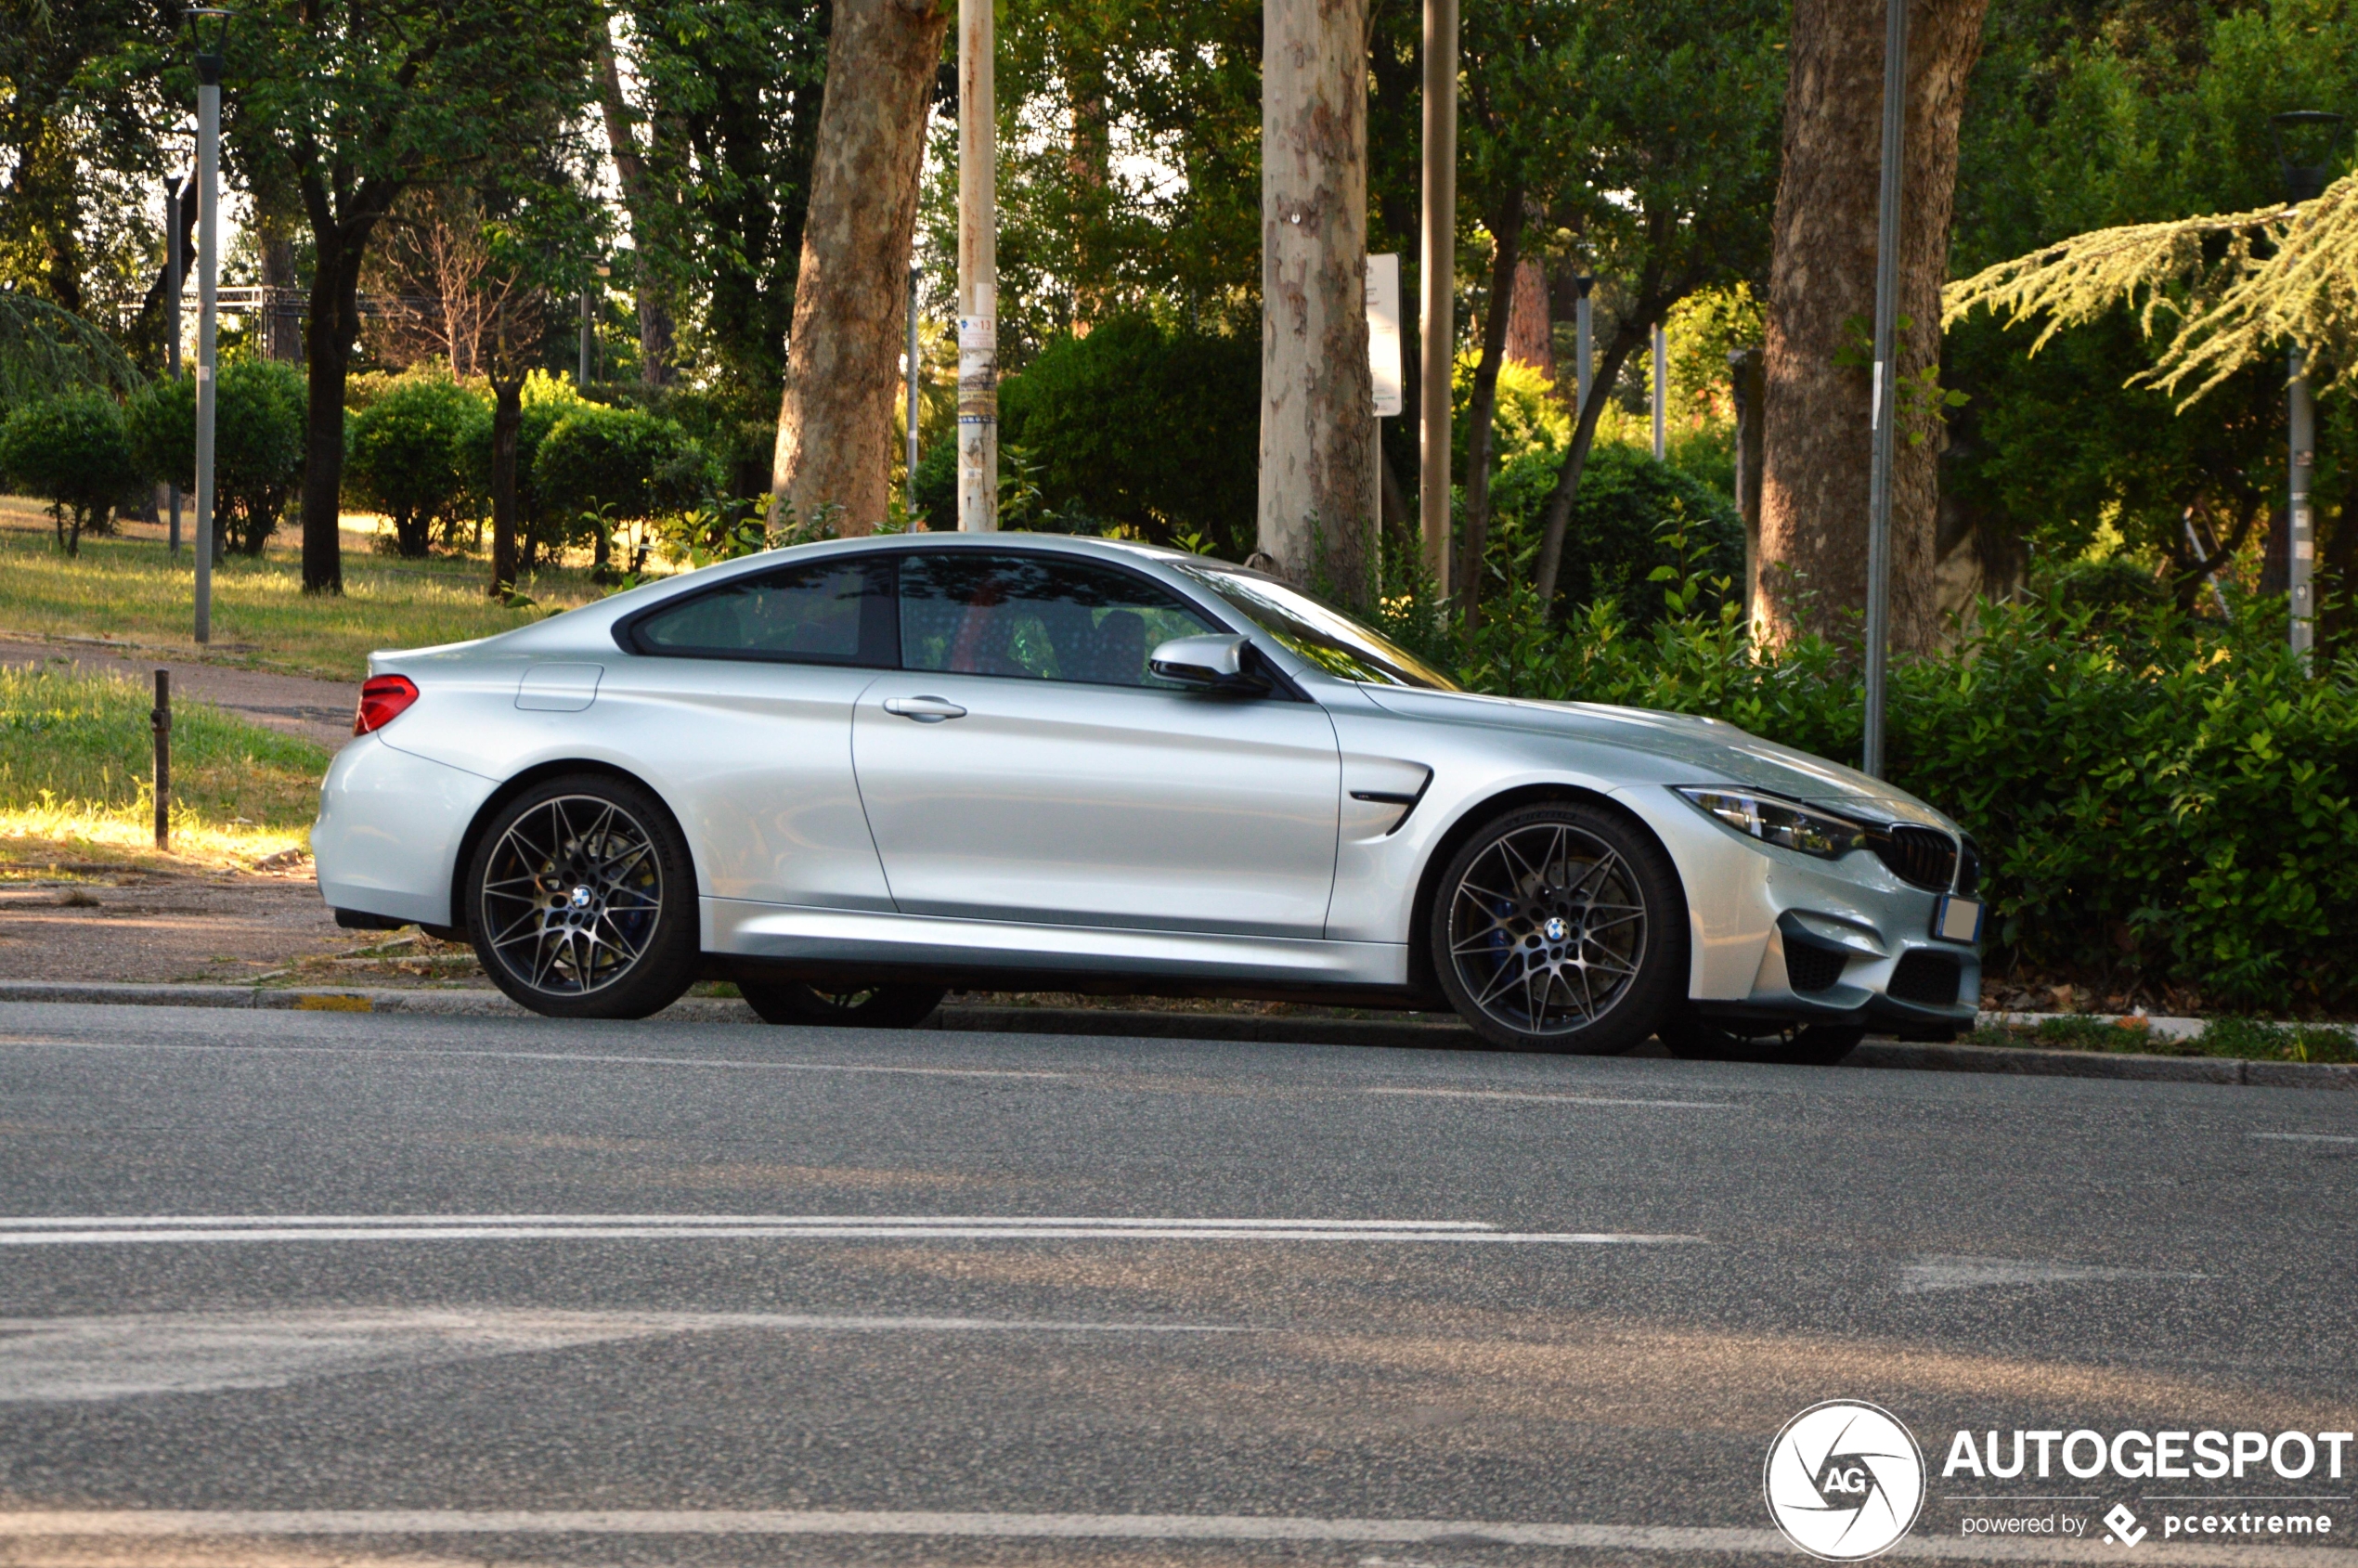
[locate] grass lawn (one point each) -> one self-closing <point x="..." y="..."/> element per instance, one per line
<point x="129" y="590"/>
<point x="76" y="763"/>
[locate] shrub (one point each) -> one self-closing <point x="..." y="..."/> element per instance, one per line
<point x="1137" y="424"/>
<point x="70" y="451"/>
<point x="411" y="454"/>
<point x="599" y="466"/>
<point x="257" y="444"/>
<point x="2174" y="797"/>
<point x="1617" y="538"/>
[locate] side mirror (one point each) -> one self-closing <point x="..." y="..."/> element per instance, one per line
<point x="1214" y="662"/>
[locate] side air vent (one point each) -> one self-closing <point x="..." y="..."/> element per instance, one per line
<point x="1923" y="856"/>
<point x="1929" y="979"/>
<point x="1809" y="967"/>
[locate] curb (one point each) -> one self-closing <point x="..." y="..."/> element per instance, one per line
<point x="1140" y="1024"/>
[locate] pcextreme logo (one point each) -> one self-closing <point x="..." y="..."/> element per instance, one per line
<point x="1843" y="1481"/>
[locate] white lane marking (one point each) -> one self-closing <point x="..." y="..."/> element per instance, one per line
<point x="542" y="1056"/>
<point x="103" y="1230"/>
<point x="72" y="1359"/>
<point x="2308" y="1137"/>
<point x="1965" y="1273"/>
<point x="164" y="1523"/>
<point x="1552" y="1099"/>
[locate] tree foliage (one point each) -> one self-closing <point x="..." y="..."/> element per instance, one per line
<point x="70" y="451"/>
<point x="413" y="457"/>
<point x="257" y="444"/>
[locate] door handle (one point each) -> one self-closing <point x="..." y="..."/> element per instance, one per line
<point x="924" y="710"/>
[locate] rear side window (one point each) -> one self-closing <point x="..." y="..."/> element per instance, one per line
<point x="828" y="611"/>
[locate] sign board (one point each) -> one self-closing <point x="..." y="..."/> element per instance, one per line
<point x="1383" y="332"/>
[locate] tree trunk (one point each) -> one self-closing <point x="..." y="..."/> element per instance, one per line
<point x="1497" y="316"/>
<point x="507" y="418"/>
<point x="330" y="331"/>
<point x="851" y="292"/>
<point x="1318" y="403"/>
<point x="1530" y="334"/>
<point x="1556" y="516"/>
<point x="653" y="310"/>
<point x="1822" y="301"/>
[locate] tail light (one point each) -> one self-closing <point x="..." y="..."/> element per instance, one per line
<point x="384" y="698"/>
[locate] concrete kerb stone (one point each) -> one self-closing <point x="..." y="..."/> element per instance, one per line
<point x="1145" y="1024"/>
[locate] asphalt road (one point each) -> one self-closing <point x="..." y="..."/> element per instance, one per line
<point x="716" y="1294"/>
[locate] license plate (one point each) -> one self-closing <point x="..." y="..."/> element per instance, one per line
<point x="1957" y="920"/>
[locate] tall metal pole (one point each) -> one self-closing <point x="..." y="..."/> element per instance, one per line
<point x="1585" y="338"/>
<point x="2302" y="581"/>
<point x="1437" y="325"/>
<point x="175" y="267"/>
<point x="208" y="268"/>
<point x="914" y="371"/>
<point x="1662" y="393"/>
<point x="1883" y="415"/>
<point x="581" y="371"/>
<point x="977" y="272"/>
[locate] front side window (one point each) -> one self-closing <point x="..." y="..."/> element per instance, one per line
<point x="826" y="612"/>
<point x="1327" y="638"/>
<point x="1036" y="617"/>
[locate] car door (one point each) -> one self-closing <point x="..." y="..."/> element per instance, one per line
<point x="739" y="700"/>
<point x="1024" y="764"/>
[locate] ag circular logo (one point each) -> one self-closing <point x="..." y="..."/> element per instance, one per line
<point x="1844" y="1480"/>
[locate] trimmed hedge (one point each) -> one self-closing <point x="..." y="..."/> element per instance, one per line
<point x="2153" y="793"/>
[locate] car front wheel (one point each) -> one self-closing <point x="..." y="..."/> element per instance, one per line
<point x="1560" y="927"/>
<point x="581" y="900"/>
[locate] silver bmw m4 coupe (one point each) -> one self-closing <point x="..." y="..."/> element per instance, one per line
<point x="849" y="776"/>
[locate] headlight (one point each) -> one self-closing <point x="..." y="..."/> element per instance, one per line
<point x="1780" y="822"/>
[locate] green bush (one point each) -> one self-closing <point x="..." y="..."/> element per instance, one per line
<point x="257" y="444"/>
<point x="600" y="466"/>
<point x="1617" y="536"/>
<point x="1136" y="425"/>
<point x="411" y="454"/>
<point x="70" y="451"/>
<point x="2168" y="795"/>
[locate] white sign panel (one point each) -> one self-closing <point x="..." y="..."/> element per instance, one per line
<point x="1383" y="332"/>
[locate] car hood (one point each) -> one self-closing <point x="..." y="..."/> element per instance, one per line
<point x="1715" y="750"/>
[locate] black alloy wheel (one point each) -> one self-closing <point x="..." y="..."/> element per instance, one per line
<point x="1560" y="927"/>
<point x="877" y="1006"/>
<point x="1790" y="1044"/>
<point x="581" y="900"/>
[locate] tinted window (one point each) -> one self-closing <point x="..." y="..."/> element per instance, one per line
<point x="829" y="612"/>
<point x="1035" y="618"/>
<point x="1327" y="638"/>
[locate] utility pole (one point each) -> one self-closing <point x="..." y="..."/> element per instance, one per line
<point x="1884" y="416"/>
<point x="581" y="369"/>
<point x="1437" y="326"/>
<point x="1662" y="392"/>
<point x="912" y="378"/>
<point x="2302" y="581"/>
<point x="208" y="274"/>
<point x="977" y="272"/>
<point x="175" y="267"/>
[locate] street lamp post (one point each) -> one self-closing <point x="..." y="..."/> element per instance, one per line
<point x="910" y="380"/>
<point x="2303" y="182"/>
<point x="1662" y="393"/>
<point x="1883" y="416"/>
<point x="175" y="268"/>
<point x="1437" y="263"/>
<point x="208" y="27"/>
<point x="1585" y="343"/>
<point x="977" y="271"/>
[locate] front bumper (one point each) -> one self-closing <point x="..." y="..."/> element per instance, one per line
<point x="1782" y="937"/>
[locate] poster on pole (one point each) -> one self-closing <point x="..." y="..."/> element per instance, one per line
<point x="1383" y="332"/>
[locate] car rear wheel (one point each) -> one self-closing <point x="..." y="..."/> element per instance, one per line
<point x="880" y="1006"/>
<point x="581" y="900"/>
<point x="1559" y="927"/>
<point x="1793" y="1045"/>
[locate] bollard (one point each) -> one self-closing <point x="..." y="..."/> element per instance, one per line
<point x="160" y="720"/>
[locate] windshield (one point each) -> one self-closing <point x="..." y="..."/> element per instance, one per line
<point x="1327" y="638"/>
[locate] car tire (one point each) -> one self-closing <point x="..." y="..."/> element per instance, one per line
<point x="581" y="900"/>
<point x="1559" y="927"/>
<point x="1698" y="1039"/>
<point x="882" y="1006"/>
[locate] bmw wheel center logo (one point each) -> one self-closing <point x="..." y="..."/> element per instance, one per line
<point x="1845" y="1480"/>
